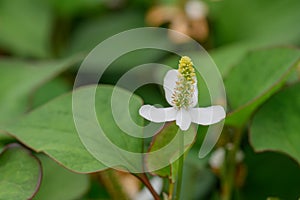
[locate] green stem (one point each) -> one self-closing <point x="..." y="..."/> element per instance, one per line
<point x="171" y="190"/>
<point x="180" y="166"/>
<point x="230" y="167"/>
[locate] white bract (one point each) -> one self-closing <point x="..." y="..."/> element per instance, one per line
<point x="182" y="94"/>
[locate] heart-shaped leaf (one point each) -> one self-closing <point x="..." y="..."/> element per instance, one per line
<point x="51" y="128"/>
<point x="21" y="173"/>
<point x="276" y="124"/>
<point x="255" y="78"/>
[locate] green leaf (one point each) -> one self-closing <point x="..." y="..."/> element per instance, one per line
<point x="270" y="174"/>
<point x="50" y="90"/>
<point x="276" y="124"/>
<point x="20" y="173"/>
<point x="19" y="79"/>
<point x="169" y="134"/>
<point x="59" y="183"/>
<point x="228" y="56"/>
<point x="255" y="78"/>
<point x="26" y="27"/>
<point x="51" y="129"/>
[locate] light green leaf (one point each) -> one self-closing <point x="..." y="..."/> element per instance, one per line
<point x="19" y="79"/>
<point x="51" y="129"/>
<point x="59" y="183"/>
<point x="276" y="124"/>
<point x="228" y="56"/>
<point x="20" y="173"/>
<point x="168" y="134"/>
<point x="26" y="27"/>
<point x="255" y="78"/>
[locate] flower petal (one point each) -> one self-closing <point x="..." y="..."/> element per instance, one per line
<point x="208" y="115"/>
<point x="195" y="95"/>
<point x="154" y="114"/>
<point x="169" y="84"/>
<point x="183" y="119"/>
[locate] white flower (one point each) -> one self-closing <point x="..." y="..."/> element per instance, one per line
<point x="182" y="94"/>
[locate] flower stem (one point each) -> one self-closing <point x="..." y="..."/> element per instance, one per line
<point x="180" y="166"/>
<point x="230" y="167"/>
<point x="171" y="190"/>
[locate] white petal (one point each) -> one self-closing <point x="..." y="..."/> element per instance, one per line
<point x="158" y="114"/>
<point x="183" y="119"/>
<point x="170" y="84"/>
<point x="207" y="116"/>
<point x="195" y="95"/>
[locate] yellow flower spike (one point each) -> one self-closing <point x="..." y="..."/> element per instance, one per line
<point x="182" y="96"/>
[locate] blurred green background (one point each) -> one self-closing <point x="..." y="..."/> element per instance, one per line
<point x="253" y="42"/>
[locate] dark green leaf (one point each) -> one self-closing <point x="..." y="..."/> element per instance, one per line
<point x="276" y="125"/>
<point x="270" y="174"/>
